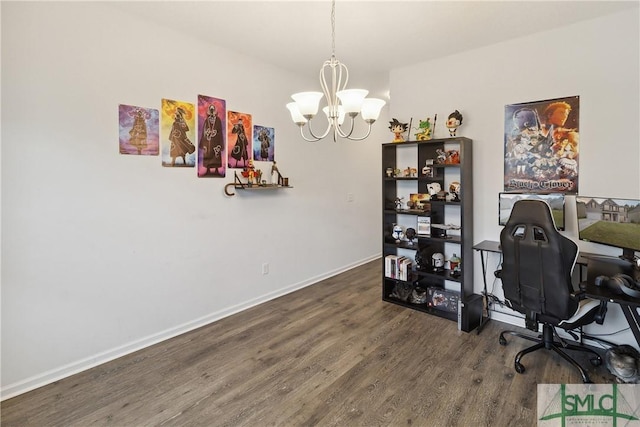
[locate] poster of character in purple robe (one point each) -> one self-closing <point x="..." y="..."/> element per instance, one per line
<point x="264" y="139"/>
<point x="139" y="130"/>
<point x="239" y="139"/>
<point x="212" y="123"/>
<point x="177" y="130"/>
<point x="541" y="146"/>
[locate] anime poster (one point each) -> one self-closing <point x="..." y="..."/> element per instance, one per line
<point x="541" y="146"/>
<point x="139" y="130"/>
<point x="264" y="139"/>
<point x="239" y="139"/>
<point x="212" y="123"/>
<point x="178" y="130"/>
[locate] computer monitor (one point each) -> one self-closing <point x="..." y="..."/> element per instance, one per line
<point x="611" y="222"/>
<point x="554" y="200"/>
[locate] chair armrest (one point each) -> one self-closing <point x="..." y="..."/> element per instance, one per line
<point x="578" y="295"/>
<point x="602" y="312"/>
<point x="602" y="309"/>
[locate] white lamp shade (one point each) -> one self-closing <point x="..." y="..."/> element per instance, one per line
<point x="295" y="113"/>
<point x="351" y="99"/>
<point x="340" y="114"/>
<point x="307" y="102"/>
<point x="371" y="108"/>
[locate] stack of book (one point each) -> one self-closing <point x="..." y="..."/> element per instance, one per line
<point x="397" y="267"/>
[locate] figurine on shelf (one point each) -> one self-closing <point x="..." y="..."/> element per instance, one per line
<point x="454" y="265"/>
<point x="423" y="258"/>
<point x="411" y="234"/>
<point x="454" y="190"/>
<point x="249" y="172"/>
<point x="453" y="157"/>
<point x="398" y="233"/>
<point x="453" y="122"/>
<point x="441" y="156"/>
<point x="434" y="188"/>
<point x="398" y="203"/>
<point x="437" y="262"/>
<point x="442" y="195"/>
<point x="410" y="172"/>
<point x="274" y="171"/>
<point x="427" y="170"/>
<point x="426" y="129"/>
<point x="398" y="129"/>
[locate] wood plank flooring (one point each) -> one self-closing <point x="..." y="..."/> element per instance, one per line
<point x="332" y="354"/>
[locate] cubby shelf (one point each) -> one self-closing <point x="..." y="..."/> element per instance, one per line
<point x="458" y="240"/>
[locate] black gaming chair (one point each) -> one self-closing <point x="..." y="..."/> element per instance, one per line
<point x="536" y="279"/>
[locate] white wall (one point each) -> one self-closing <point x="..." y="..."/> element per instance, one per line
<point x="104" y="253"/>
<point x="597" y="60"/>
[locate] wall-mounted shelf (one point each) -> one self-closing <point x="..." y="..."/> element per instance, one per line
<point x="239" y="185"/>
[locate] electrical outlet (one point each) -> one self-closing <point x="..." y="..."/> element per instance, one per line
<point x="265" y="268"/>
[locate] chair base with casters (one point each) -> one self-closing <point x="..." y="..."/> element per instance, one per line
<point x="547" y="341"/>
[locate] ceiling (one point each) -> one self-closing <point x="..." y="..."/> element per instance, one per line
<point x="375" y="36"/>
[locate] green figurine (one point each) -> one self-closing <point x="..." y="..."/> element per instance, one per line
<point x="426" y="129"/>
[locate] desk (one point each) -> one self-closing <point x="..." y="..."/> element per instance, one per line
<point x="494" y="247"/>
<point x="482" y="247"/>
<point x="629" y="305"/>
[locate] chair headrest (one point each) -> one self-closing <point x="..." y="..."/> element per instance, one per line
<point x="529" y="211"/>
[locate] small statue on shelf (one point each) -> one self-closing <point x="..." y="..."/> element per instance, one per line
<point x="454" y="191"/>
<point x="426" y="129"/>
<point x="453" y="157"/>
<point x="398" y="129"/>
<point x="398" y="233"/>
<point x="274" y="171"/>
<point x="437" y="262"/>
<point x="423" y="258"/>
<point x="427" y="170"/>
<point x="410" y="172"/>
<point x="453" y="122"/>
<point x="434" y="188"/>
<point x="410" y="234"/>
<point x="249" y="172"/>
<point x="454" y="265"/>
<point x="398" y="203"/>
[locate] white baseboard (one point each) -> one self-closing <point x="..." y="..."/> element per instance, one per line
<point x="65" y="371"/>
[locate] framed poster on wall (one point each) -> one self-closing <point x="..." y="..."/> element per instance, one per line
<point x="541" y="146"/>
<point x="212" y="121"/>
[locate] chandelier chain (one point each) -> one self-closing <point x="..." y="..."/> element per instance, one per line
<point x="333" y="80"/>
<point x="333" y="28"/>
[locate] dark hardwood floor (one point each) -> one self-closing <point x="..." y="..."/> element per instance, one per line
<point x="332" y="354"/>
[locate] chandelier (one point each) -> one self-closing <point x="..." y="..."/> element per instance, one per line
<point x="341" y="102"/>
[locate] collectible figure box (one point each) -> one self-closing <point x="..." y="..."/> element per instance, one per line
<point x="444" y="300"/>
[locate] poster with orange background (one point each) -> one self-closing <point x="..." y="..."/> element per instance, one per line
<point x="178" y="133"/>
<point x="239" y="139"/>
